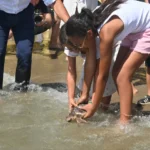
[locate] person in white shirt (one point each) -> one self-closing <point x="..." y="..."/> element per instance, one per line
<point x="75" y="6"/>
<point x="120" y="20"/>
<point x="18" y="16"/>
<point x="88" y="71"/>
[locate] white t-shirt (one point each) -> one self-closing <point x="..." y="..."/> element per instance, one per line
<point x="72" y="5"/>
<point x="110" y="87"/>
<point x="135" y="16"/>
<point x="16" y="6"/>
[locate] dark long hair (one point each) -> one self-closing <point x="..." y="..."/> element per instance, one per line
<point x="80" y="23"/>
<point x="101" y="13"/>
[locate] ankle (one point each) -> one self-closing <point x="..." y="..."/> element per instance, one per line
<point x="125" y="118"/>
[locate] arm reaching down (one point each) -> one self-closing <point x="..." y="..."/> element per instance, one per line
<point x="107" y="36"/>
<point x="71" y="81"/>
<point x="89" y="70"/>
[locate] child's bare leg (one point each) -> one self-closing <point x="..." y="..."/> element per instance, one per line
<point x="105" y="103"/>
<point x="125" y="65"/>
<point x="124" y="77"/>
<point x="134" y="89"/>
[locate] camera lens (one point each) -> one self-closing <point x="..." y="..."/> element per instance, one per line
<point x="37" y="19"/>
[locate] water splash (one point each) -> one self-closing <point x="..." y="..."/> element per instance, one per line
<point x="37" y="119"/>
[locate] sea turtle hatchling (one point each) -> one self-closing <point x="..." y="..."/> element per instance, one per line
<point x="76" y="115"/>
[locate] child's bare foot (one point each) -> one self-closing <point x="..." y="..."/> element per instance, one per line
<point x="66" y="58"/>
<point x="135" y="91"/>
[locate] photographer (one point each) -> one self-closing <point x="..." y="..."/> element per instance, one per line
<point x="17" y="16"/>
<point x="43" y="18"/>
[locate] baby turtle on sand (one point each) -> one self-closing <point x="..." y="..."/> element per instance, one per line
<point x="76" y="115"/>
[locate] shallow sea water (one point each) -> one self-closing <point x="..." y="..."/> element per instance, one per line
<point x="36" y="121"/>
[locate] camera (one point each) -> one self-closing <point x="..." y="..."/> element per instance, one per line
<point x="37" y="17"/>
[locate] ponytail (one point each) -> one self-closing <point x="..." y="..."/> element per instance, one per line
<point x="80" y="23"/>
<point x="103" y="12"/>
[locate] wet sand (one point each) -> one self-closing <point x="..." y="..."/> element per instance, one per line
<point x="46" y="69"/>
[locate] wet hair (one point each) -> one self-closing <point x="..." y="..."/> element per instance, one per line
<point x="103" y="12"/>
<point x="80" y="23"/>
<point x="63" y="38"/>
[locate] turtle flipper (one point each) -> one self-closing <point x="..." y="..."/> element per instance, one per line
<point x="80" y="120"/>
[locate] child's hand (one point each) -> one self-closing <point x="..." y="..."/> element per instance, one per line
<point x="72" y="103"/>
<point x="82" y="100"/>
<point x="90" y="109"/>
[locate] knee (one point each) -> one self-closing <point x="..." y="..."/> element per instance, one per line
<point x="118" y="79"/>
<point x="25" y="57"/>
<point x="122" y="79"/>
<point x="24" y="48"/>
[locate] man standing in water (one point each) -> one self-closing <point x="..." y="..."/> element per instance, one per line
<point x="18" y="16"/>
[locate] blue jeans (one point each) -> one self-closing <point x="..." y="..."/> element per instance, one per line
<point x="22" y="26"/>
